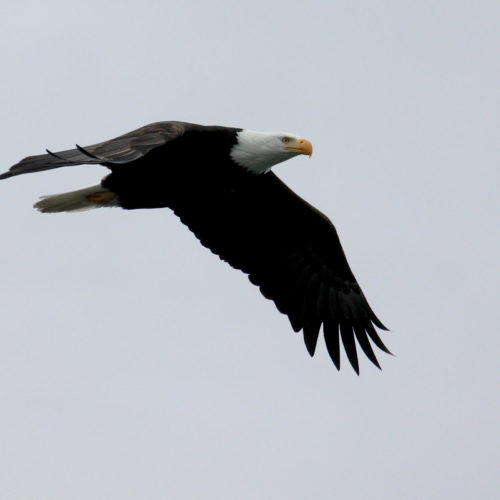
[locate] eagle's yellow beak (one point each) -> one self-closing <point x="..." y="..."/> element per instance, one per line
<point x="301" y="146"/>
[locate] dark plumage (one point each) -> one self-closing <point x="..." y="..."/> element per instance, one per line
<point x="240" y="211"/>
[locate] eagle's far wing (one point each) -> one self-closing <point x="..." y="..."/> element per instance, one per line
<point x="120" y="150"/>
<point x="292" y="252"/>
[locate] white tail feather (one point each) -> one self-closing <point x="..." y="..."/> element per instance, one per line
<point x="74" y="201"/>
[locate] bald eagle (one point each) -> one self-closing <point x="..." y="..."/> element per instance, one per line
<point x="218" y="181"/>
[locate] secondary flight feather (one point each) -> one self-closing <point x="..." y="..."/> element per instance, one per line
<point x="218" y="181"/>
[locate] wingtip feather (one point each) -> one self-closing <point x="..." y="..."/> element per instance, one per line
<point x="54" y="154"/>
<point x="6" y="175"/>
<point x="87" y="153"/>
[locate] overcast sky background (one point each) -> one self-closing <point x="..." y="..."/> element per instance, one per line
<point x="134" y="364"/>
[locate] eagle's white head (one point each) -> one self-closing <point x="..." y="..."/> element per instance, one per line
<point x="259" y="151"/>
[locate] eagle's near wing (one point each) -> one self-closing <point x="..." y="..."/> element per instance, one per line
<point x="121" y="150"/>
<point x="291" y="251"/>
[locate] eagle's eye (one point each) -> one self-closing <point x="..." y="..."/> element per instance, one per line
<point x="285" y="140"/>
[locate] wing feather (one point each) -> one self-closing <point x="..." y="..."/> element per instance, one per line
<point x="120" y="150"/>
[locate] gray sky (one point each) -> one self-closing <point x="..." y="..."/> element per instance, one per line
<point x="134" y="364"/>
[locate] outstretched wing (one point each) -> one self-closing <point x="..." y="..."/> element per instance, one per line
<point x="291" y="251"/>
<point x="122" y="149"/>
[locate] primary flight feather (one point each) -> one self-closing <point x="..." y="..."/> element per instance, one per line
<point x="218" y="180"/>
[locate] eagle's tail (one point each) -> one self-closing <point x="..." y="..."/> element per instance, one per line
<point x="77" y="201"/>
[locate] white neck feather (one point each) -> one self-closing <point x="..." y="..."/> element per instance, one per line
<point x="259" y="151"/>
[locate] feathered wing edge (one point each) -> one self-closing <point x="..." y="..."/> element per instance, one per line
<point x="311" y="301"/>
